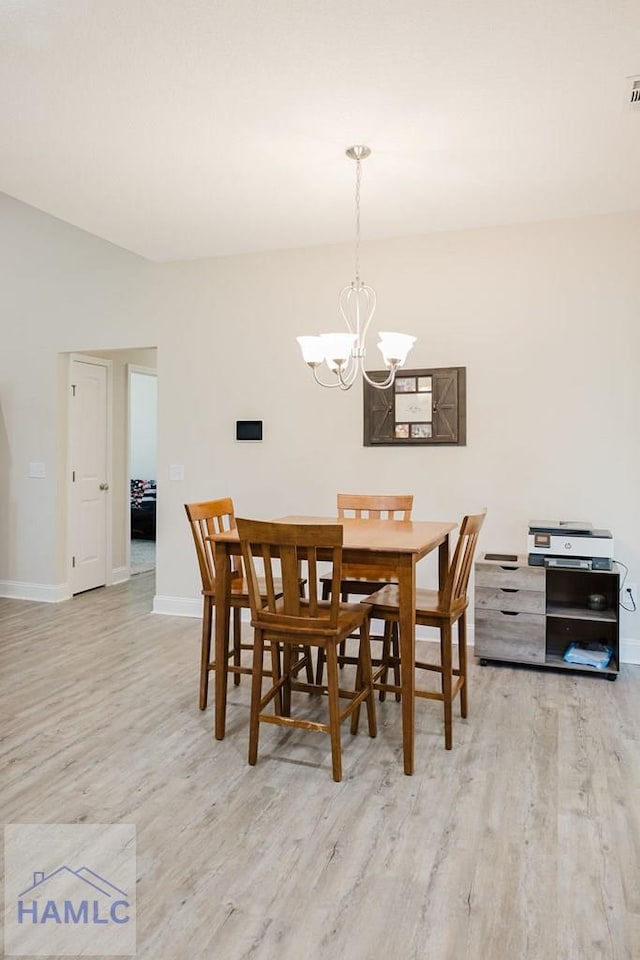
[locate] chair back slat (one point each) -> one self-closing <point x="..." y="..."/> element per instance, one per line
<point x="284" y="548"/>
<point x="312" y="580"/>
<point x="455" y="588"/>
<point x="362" y="506"/>
<point x="375" y="506"/>
<point x="206" y="519"/>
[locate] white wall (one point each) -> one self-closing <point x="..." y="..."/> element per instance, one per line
<point x="143" y="402"/>
<point x="61" y="290"/>
<point x="544" y="317"/>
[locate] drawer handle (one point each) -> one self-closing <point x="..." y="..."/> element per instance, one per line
<point x="509" y="590"/>
<point x="507" y="568"/>
<point x="510" y="613"/>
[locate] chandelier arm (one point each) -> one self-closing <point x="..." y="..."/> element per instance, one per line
<point x="317" y="379"/>
<point x="348" y="378"/>
<point x="343" y="300"/>
<point x="370" y="296"/>
<point x="350" y="370"/>
<point x="381" y="384"/>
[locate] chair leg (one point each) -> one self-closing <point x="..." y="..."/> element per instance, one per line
<point x="364" y="680"/>
<point x="462" y="662"/>
<point x="344" y="598"/>
<point x="396" y="661"/>
<point x="237" y="641"/>
<point x="386" y="653"/>
<point x="334" y="711"/>
<point x="276" y="673"/>
<point x="445" y="655"/>
<point x="326" y="595"/>
<point x="358" y="685"/>
<point x="256" y="696"/>
<point x="367" y="670"/>
<point x="320" y="666"/>
<point x="287" y="658"/>
<point x="205" y="652"/>
<point x="308" y="663"/>
<point x="390" y="653"/>
<point x="304" y="656"/>
<point x="308" y="660"/>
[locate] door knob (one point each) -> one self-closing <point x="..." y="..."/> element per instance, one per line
<point x="104" y="486"/>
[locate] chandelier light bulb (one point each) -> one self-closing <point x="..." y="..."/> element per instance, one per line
<point x="312" y="350"/>
<point x="394" y="347"/>
<point x="337" y="346"/>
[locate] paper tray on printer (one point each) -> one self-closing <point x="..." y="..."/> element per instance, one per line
<point x="560" y="526"/>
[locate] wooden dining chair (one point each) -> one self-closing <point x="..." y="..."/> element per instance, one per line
<point x="441" y="609"/>
<point x="292" y="625"/>
<point x="360" y="579"/>
<point x="206" y="519"/>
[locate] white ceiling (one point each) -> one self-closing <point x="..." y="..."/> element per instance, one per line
<point x="195" y="128"/>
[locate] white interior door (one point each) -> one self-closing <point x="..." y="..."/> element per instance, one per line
<point x="89" y="481"/>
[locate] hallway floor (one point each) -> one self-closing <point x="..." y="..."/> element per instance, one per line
<point x="143" y="556"/>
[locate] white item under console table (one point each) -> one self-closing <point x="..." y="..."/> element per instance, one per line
<point x="530" y="614"/>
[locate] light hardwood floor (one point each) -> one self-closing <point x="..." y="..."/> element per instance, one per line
<point x="522" y="842"/>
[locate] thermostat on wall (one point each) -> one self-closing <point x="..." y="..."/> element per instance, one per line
<point x="248" y="429"/>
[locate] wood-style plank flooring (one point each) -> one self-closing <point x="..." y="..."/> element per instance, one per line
<point x="522" y="842"/>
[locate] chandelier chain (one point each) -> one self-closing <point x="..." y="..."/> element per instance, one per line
<point x="358" y="179"/>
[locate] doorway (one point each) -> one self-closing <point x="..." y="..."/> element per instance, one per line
<point x="114" y="551"/>
<point x="143" y="418"/>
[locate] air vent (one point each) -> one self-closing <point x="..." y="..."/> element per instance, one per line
<point x="634" y="93"/>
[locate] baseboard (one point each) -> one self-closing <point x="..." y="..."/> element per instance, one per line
<point x="630" y="650"/>
<point x="119" y="575"/>
<point x="177" y="606"/>
<point x="37" y="592"/>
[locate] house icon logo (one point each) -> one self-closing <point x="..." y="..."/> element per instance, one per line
<point x="68" y="896"/>
<point x="70" y="890"/>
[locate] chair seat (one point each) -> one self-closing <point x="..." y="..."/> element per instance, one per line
<point x="359" y="585"/>
<point x="240" y="590"/>
<point x="350" y="619"/>
<point x="429" y="603"/>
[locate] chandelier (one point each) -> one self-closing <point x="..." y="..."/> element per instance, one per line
<point x="344" y="353"/>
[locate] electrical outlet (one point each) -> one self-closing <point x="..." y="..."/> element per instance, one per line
<point x="630" y="596"/>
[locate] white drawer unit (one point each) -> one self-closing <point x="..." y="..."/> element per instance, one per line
<point x="530" y="614"/>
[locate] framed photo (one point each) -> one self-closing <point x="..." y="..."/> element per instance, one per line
<point x="426" y="407"/>
<point x="414" y="407"/>
<point x="405" y="385"/>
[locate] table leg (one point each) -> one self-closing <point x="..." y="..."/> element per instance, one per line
<point x="407" y="625"/>
<point x="223" y="599"/>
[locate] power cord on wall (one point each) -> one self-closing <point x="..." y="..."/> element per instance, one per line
<point x="625" y="593"/>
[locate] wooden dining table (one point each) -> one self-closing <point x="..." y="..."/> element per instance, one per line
<point x="398" y="544"/>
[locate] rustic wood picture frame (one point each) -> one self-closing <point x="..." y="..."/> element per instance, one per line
<point x="422" y="408"/>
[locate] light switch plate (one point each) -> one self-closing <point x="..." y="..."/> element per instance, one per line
<point x="37" y="471"/>
<point x="176" y="471"/>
